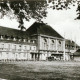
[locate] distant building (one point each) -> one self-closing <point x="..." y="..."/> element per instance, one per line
<point x="70" y="48"/>
<point x="76" y="55"/>
<point x="38" y="42"/>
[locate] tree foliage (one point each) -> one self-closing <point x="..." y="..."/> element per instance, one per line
<point x="78" y="10"/>
<point x="65" y="4"/>
<point x="26" y="9"/>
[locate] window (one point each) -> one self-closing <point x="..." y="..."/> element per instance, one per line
<point x="25" y="47"/>
<point x="20" y="46"/>
<point x="14" y="46"/>
<point x="30" y="48"/>
<point x="8" y="46"/>
<point x="44" y="45"/>
<point x="2" y="45"/>
<point x="34" y="48"/>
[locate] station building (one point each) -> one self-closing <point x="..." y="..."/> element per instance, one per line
<point x="49" y="42"/>
<point x="38" y="42"/>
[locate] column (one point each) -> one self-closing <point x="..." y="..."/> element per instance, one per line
<point x="37" y="55"/>
<point x="56" y="46"/>
<point x="34" y="57"/>
<point x="40" y="57"/>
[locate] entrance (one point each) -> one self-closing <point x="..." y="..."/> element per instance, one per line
<point x="35" y="56"/>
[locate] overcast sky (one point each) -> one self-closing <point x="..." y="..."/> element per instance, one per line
<point x="62" y="21"/>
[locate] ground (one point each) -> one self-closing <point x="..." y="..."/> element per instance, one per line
<point x="40" y="70"/>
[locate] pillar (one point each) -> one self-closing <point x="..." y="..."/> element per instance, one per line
<point x="56" y="46"/>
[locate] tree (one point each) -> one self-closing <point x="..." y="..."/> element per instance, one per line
<point x="26" y="9"/>
<point x="78" y="10"/>
<point x="65" y="4"/>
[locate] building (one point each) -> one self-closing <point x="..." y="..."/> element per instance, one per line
<point x="76" y="55"/>
<point x="38" y="42"/>
<point x="70" y="48"/>
<point x="15" y="45"/>
<point x="49" y="42"/>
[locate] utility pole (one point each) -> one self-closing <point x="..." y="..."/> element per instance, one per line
<point x="64" y="48"/>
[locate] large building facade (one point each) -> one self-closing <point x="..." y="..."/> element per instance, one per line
<point x="49" y="42"/>
<point x="38" y="42"/>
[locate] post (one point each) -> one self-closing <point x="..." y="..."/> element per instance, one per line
<point x="64" y="50"/>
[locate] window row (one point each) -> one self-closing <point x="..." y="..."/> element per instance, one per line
<point x="15" y="46"/>
<point x="52" y="41"/>
<point x="16" y="39"/>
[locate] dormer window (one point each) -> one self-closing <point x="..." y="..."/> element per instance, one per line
<point x="24" y="40"/>
<point x="19" y="39"/>
<point x="33" y="41"/>
<point x="14" y="39"/>
<point x="28" y="41"/>
<point x="1" y="36"/>
<point x="7" y="37"/>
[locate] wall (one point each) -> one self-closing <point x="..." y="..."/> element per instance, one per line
<point x="12" y="51"/>
<point x="48" y="45"/>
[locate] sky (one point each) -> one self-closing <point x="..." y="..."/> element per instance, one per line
<point x="60" y="20"/>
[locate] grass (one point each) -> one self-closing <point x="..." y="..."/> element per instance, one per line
<point x="40" y="70"/>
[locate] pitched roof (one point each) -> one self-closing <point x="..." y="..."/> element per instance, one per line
<point x="71" y="43"/>
<point x="42" y="28"/>
<point x="12" y="32"/>
<point x="77" y="53"/>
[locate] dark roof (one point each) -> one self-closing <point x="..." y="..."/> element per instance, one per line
<point x="70" y="42"/>
<point x="12" y="32"/>
<point x="42" y="28"/>
<point x="77" y="53"/>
